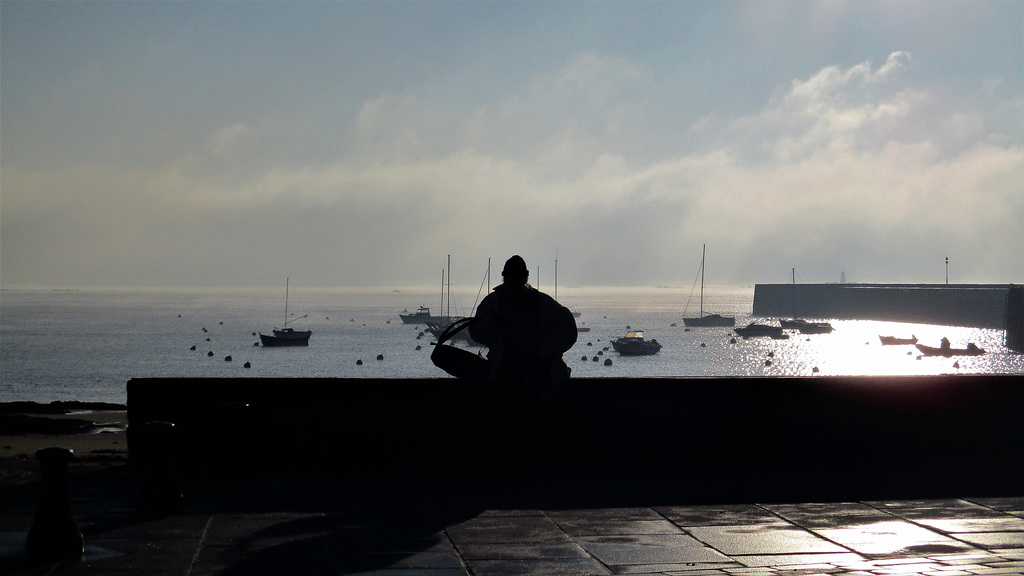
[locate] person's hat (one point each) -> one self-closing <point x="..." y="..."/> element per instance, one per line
<point x="515" y="267"/>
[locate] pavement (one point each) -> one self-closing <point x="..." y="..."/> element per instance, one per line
<point x="326" y="521"/>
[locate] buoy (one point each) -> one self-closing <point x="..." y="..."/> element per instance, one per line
<point x="815" y="370"/>
<point x="771" y="354"/>
<point x="584" y="358"/>
<point x="732" y="340"/>
<point x="221" y="323"/>
<point x="418" y="347"/>
<point x="380" y="356"/>
<point x="193" y="347"/>
<point x="227" y="358"/>
<point x="767" y="362"/>
<point x="595" y="358"/>
<point x="673" y="325"/>
<point x="607" y="361"/>
<point x="253" y="333"/>
<point x="703" y="345"/>
<point x="590" y="343"/>
<point x="359" y="362"/>
<point x="956" y="365"/>
<point x="247" y="365"/>
<point x="210" y="353"/>
<point x="207" y="339"/>
<point x="388" y="322"/>
<point x="255" y="343"/>
<point x="600" y="352"/>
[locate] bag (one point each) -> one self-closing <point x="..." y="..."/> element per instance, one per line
<point x="457" y="361"/>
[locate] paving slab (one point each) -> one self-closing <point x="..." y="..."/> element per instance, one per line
<point x="892" y="537"/>
<point x="649" y="549"/>
<point x="763" y="539"/>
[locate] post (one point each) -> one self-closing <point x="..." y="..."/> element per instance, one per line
<point x="947" y="269"/>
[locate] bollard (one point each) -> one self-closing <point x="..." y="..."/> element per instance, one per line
<point x="54" y="534"/>
<point x="160" y="495"/>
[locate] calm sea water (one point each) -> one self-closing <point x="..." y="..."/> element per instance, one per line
<point x="86" y="344"/>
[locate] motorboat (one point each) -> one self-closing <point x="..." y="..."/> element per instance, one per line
<point x="895" y="341"/>
<point x="634" y="344"/>
<point x="971" y="350"/>
<point x="806" y="327"/>
<point x="422" y="315"/>
<point x="754" y="330"/>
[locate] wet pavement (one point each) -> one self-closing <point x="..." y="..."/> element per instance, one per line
<point x="330" y="522"/>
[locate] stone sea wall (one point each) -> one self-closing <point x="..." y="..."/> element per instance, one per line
<point x="977" y="305"/>
<point x="689" y="439"/>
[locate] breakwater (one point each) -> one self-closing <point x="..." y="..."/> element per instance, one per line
<point x="976" y="305"/>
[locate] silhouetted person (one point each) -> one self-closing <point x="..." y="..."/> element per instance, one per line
<point x="526" y="332"/>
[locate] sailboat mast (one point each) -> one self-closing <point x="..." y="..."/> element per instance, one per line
<point x="702" y="254"/>
<point x="449" y="311"/>
<point x="556" y="275"/>
<point x="285" y="303"/>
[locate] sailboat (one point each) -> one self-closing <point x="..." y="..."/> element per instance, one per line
<point x="287" y="336"/>
<point x="802" y="325"/>
<point x="710" y="320"/>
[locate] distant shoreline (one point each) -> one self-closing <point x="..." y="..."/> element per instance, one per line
<point x="58" y="407"/>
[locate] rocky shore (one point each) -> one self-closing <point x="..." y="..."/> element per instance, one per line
<point x="95" y="431"/>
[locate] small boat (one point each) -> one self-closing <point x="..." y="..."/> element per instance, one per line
<point x="422" y="315"/>
<point x="806" y="327"/>
<point x="711" y="320"/>
<point x="971" y="350"/>
<point x="754" y="329"/>
<point x="894" y="341"/>
<point x="633" y="344"/>
<point x="286" y="336"/>
<point x="438" y="326"/>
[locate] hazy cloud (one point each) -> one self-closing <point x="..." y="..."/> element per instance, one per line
<point x="862" y="159"/>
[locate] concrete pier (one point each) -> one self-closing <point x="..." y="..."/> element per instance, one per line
<point x="977" y="305"/>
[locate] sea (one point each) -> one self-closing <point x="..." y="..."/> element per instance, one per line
<point x="85" y="344"/>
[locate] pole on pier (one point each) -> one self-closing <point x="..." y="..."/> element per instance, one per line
<point x="947" y="269"/>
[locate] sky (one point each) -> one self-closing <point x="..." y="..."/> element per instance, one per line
<point x="359" y="144"/>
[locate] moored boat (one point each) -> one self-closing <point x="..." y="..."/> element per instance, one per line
<point x="286" y="336"/>
<point x="422" y="315"/>
<point x="971" y="350"/>
<point x="895" y="341"/>
<point x="710" y="320"/>
<point x="754" y="329"/>
<point x="633" y="344"/>
<point x="806" y="327"/>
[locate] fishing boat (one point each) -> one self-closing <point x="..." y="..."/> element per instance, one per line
<point x="971" y="350"/>
<point x="633" y="344"/>
<point x="895" y="341"/>
<point x="286" y="336"/>
<point x="754" y="329"/>
<point x="422" y="315"/>
<point x="710" y="320"/>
